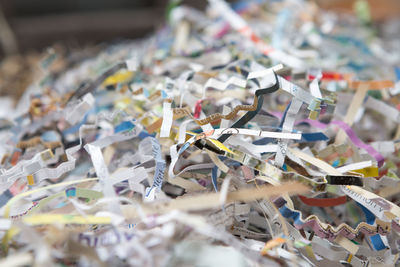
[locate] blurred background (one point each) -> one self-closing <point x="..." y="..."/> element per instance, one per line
<point x="37" y="24"/>
<point x="28" y="27"/>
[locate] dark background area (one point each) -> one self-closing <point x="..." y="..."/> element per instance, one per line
<point x="37" y="24"/>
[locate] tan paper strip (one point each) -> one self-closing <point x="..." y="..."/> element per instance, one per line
<point x="211" y="200"/>
<point x="372" y="85"/>
<point x="355" y="104"/>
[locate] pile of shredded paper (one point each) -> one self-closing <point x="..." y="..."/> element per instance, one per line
<point x="263" y="133"/>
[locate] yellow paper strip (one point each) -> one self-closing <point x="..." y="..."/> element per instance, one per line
<point x="40" y="219"/>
